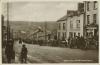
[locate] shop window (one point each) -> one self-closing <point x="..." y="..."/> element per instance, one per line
<point x="79" y="34"/>
<point x="74" y="34"/>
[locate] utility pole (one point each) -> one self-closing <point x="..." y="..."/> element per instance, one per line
<point x="45" y="33"/>
<point x="12" y="33"/>
<point x="8" y="28"/>
<point x="3" y="35"/>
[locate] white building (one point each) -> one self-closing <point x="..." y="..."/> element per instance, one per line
<point x="71" y="24"/>
<point x="81" y="22"/>
<point x="75" y="21"/>
<point x="61" y="31"/>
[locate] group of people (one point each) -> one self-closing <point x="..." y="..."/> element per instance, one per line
<point x="76" y="42"/>
<point x="81" y="42"/>
<point x="10" y="52"/>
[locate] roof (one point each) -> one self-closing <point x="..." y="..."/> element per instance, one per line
<point x="63" y="18"/>
<point x="72" y="13"/>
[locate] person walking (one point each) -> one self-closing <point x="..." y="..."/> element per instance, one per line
<point x="24" y="54"/>
<point x="20" y="41"/>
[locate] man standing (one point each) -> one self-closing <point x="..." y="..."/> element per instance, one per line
<point x="20" y="41"/>
<point x="24" y="54"/>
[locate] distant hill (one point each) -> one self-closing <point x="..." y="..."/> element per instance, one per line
<point x="32" y="26"/>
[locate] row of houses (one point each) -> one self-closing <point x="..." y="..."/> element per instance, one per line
<point x="81" y="22"/>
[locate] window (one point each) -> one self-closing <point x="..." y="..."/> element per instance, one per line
<point x="71" y="24"/>
<point x="79" y="34"/>
<point x="63" y="26"/>
<point x="58" y="35"/>
<point x="88" y="3"/>
<point x="94" y="18"/>
<point x="90" y="34"/>
<point x="70" y="34"/>
<point x="64" y="35"/>
<point x="74" y="34"/>
<point x="59" y="26"/>
<point x="95" y="4"/>
<point x="88" y="19"/>
<point x="78" y="24"/>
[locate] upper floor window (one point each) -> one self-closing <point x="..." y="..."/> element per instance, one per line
<point x="95" y="4"/>
<point x="94" y="18"/>
<point x="78" y="24"/>
<point x="88" y="19"/>
<point x="71" y="24"/>
<point x="88" y="4"/>
<point x="59" y="26"/>
<point x="63" y="26"/>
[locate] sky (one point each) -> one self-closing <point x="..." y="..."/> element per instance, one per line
<point x="40" y="11"/>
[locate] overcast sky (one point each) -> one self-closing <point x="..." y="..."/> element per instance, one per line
<point x="39" y="11"/>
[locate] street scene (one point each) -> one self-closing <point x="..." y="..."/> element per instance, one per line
<point x="50" y="32"/>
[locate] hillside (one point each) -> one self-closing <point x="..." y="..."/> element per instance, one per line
<point x="32" y="26"/>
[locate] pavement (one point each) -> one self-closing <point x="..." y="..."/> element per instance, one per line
<point x="47" y="54"/>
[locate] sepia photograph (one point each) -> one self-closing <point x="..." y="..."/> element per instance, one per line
<point x="50" y="32"/>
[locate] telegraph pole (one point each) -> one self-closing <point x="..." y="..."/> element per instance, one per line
<point x="7" y="21"/>
<point x="12" y="34"/>
<point x="45" y="33"/>
<point x="2" y="23"/>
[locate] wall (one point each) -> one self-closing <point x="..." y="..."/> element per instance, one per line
<point x="91" y="11"/>
<point x="74" y="23"/>
<point x="61" y="31"/>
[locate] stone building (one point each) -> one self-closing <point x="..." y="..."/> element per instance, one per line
<point x="91" y="18"/>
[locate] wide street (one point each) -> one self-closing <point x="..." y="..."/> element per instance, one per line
<point x="47" y="54"/>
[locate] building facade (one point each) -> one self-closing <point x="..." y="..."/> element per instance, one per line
<point x="61" y="31"/>
<point x="71" y="25"/>
<point x="81" y="22"/>
<point x="74" y="23"/>
<point x="91" y="18"/>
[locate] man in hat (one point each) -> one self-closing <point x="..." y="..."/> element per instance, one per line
<point x="24" y="54"/>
